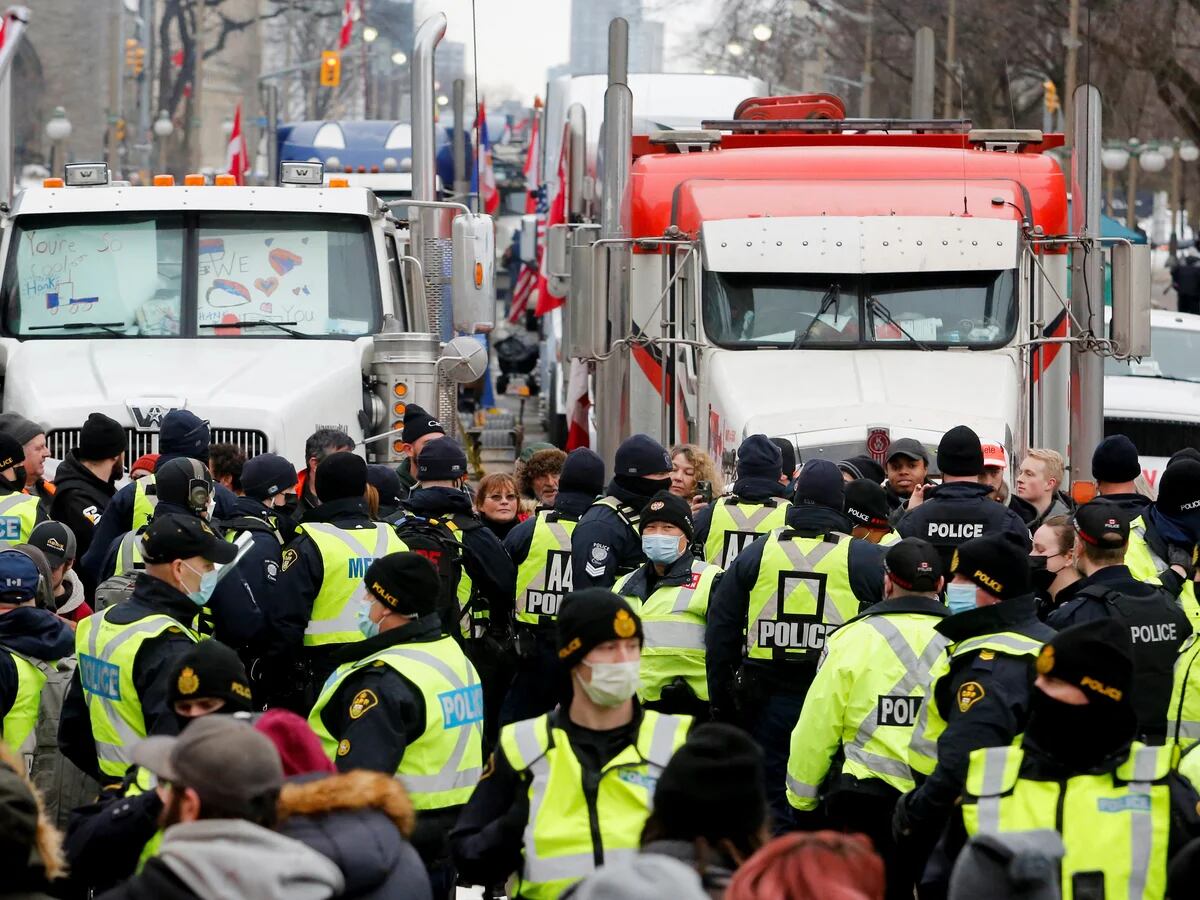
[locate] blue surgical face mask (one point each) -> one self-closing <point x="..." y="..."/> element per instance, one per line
<point x="661" y="548"/>
<point x="208" y="584"/>
<point x="366" y="625"/>
<point x="960" y="598"/>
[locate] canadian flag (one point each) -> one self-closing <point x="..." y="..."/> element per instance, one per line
<point x="237" y="159"/>
<point x="489" y="193"/>
<point x="347" y="25"/>
<point x="578" y="403"/>
<point x="556" y="215"/>
<point x="532" y="154"/>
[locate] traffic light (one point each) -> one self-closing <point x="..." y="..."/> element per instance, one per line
<point x="135" y="56"/>
<point x="331" y="68"/>
<point x="120" y="134"/>
<point x="1051" y="98"/>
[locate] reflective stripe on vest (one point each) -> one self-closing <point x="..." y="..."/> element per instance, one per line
<point x="107" y="652"/>
<point x="21" y="718"/>
<point x="801" y="594"/>
<point x="559" y="849"/>
<point x="441" y="767"/>
<point x="735" y="525"/>
<point x="1183" y="712"/>
<point x="1145" y="565"/>
<point x="18" y="515"/>
<point x="144" y="502"/>
<point x="129" y="555"/>
<point x="544" y="576"/>
<point x="345" y="556"/>
<point x="1115" y="824"/>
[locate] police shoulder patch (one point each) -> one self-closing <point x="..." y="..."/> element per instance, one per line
<point x="969" y="693"/>
<point x="343" y="747"/>
<point x="363" y="701"/>
<point x="289" y="557"/>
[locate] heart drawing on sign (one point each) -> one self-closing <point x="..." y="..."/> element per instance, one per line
<point x="267" y="285"/>
<point x="265" y="307"/>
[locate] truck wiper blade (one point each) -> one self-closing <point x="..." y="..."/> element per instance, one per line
<point x="886" y="314"/>
<point x="831" y="297"/>
<point x="110" y="327"/>
<point x="252" y="323"/>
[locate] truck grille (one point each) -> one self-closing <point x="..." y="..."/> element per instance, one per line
<point x="62" y="440"/>
<point x="1154" y="437"/>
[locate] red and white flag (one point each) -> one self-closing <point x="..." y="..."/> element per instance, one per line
<point x="532" y="179"/>
<point x="489" y="193"/>
<point x="578" y="403"/>
<point x="556" y="215"/>
<point x="347" y="25"/>
<point x="237" y="159"/>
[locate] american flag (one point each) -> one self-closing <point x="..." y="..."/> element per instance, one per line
<point x="527" y="280"/>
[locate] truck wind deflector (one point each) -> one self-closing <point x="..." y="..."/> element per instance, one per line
<point x="836" y="126"/>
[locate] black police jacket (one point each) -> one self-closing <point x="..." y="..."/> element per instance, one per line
<point x="604" y="545"/>
<point x="105" y="839"/>
<point x="80" y="499"/>
<point x="262" y="562"/>
<point x="956" y="512"/>
<point x="751" y="490"/>
<point x="1157" y="625"/>
<point x="990" y="712"/>
<point x="1134" y="504"/>
<point x="728" y="607"/>
<point x="151" y="667"/>
<point x="568" y="504"/>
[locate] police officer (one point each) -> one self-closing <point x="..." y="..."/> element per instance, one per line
<point x="569" y="791"/>
<point x="863" y="705"/>
<point x="1157" y="626"/>
<point x="606" y="543"/>
<point x="1116" y="466"/>
<point x="756" y="505"/>
<point x="770" y="614"/>
<point x="406" y="701"/>
<point x="960" y="508"/>
<point x="1162" y="540"/>
<point x="321" y="580"/>
<point x="540" y="547"/>
<point x="867" y="509"/>
<point x="420" y="428"/>
<point x="182" y="433"/>
<point x="979" y="693"/>
<point x="19" y="511"/>
<point x="31" y="641"/>
<point x="1116" y="804"/>
<point x="671" y="592"/>
<point x="119" y="693"/>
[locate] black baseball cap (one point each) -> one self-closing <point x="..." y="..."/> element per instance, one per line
<point x="1102" y="523"/>
<point x="998" y="563"/>
<point x="866" y="503"/>
<point x="55" y="540"/>
<point x="910" y="447"/>
<point x="173" y="536"/>
<point x="914" y="564"/>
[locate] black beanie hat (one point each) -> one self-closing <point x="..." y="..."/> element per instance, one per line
<point x="641" y="455"/>
<point x="1185" y="453"/>
<point x="1096" y="656"/>
<point x="184" y="482"/>
<point x="100" y="438"/>
<point x="183" y="433"/>
<point x="866" y="503"/>
<point x="590" y="617"/>
<point x="995" y="562"/>
<point x="582" y="473"/>
<point x="405" y="582"/>
<point x="1179" y="490"/>
<point x="820" y="483"/>
<point x="1115" y="460"/>
<point x="863" y="467"/>
<point x="666" y="507"/>
<point x="418" y="423"/>
<point x="759" y="457"/>
<point x="267" y="475"/>
<point x="385" y="481"/>
<point x="713" y="786"/>
<point x="960" y="452"/>
<point x="441" y="460"/>
<point x="11" y="452"/>
<point x="789" y="458"/>
<point x="341" y="475"/>
<point x="211" y="669"/>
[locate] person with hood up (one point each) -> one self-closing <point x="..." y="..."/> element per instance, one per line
<point x="606" y="543"/>
<point x="540" y="547"/>
<point x="757" y="504"/>
<point x="30" y="846"/>
<point x="19" y="512"/>
<point x="1116" y="466"/>
<point x="86" y="480"/>
<point x="770" y="614"/>
<point x="58" y="546"/>
<point x="1163" y="538"/>
<point x="419" y="430"/>
<point x="222" y="784"/>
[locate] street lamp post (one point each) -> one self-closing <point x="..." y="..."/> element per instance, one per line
<point x="1114" y="159"/>
<point x="163" y="128"/>
<point x="58" y="129"/>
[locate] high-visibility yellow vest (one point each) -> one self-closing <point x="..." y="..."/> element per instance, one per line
<point x="144" y="501"/>
<point x="864" y="702"/>
<point x="18" y="516"/>
<point x="1183" y="712"/>
<point x="107" y="652"/>
<point x="544" y="575"/>
<point x="571" y="830"/>
<point x="673" y="623"/>
<point x="735" y="523"/>
<point x="440" y="768"/>
<point x="931" y="721"/>
<point x="801" y="594"/>
<point x="1145" y="565"/>
<point x="1114" y="824"/>
<point x="21" y="718"/>
<point x="892" y="537"/>
<point x="346" y="554"/>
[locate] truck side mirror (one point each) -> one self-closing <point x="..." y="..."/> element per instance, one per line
<point x="463" y="359"/>
<point x="1131" y="298"/>
<point x="529" y="239"/>
<point x="474" y="275"/>
<point x="558" y="272"/>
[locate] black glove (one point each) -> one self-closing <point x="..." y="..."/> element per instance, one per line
<point x="1184" y="557"/>
<point x="902" y="825"/>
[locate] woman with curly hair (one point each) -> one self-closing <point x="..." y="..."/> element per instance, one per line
<point x="689" y="466"/>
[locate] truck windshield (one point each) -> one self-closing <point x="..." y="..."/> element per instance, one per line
<point x="745" y="310"/>
<point x="172" y="274"/>
<point x="1175" y="356"/>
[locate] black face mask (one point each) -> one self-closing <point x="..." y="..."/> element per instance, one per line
<point x="291" y="503"/>
<point x="643" y="487"/>
<point x="1079" y="736"/>
<point x="1042" y="577"/>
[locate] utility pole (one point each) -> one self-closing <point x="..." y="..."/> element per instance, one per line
<point x="864" y="109"/>
<point x="1072" y="61"/>
<point x="146" y="101"/>
<point x="195" y="122"/>
<point x="922" y="80"/>
<point x="951" y="36"/>
<point x="116" y="46"/>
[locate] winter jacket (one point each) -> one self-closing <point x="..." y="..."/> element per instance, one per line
<point x="715" y="874"/>
<point x="80" y="499"/>
<point x="219" y="859"/>
<point x="35" y="634"/>
<point x="29" y="864"/>
<point x="361" y="821"/>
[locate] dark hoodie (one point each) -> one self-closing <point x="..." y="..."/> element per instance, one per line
<point x="80" y="499"/>
<point x="36" y="634"/>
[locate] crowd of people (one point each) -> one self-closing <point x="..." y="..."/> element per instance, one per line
<point x="235" y="677"/>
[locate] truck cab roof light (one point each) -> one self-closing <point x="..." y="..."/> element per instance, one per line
<point x="225" y="180"/>
<point x="306" y="173"/>
<point x="336" y="182"/>
<point x="86" y="174"/>
<point x="689" y="141"/>
<point x="1008" y="140"/>
<point x="164" y="180"/>
<point x="52" y="183"/>
<point x="193" y="180"/>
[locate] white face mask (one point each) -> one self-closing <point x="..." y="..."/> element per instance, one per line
<point x="612" y="683"/>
